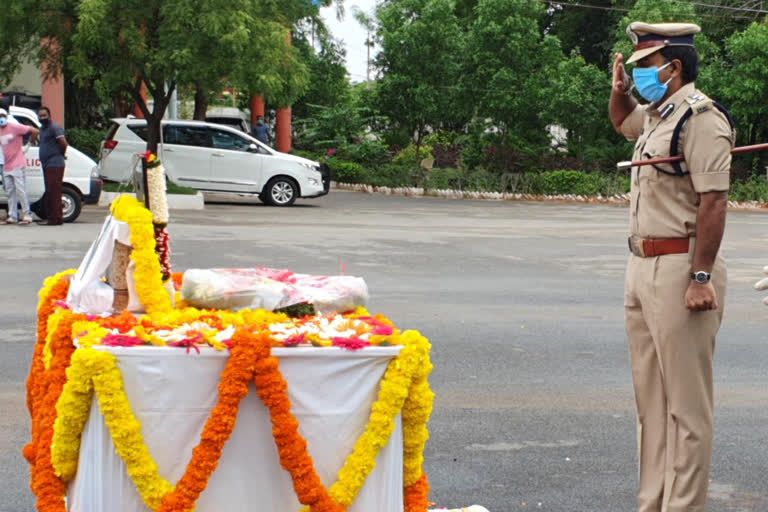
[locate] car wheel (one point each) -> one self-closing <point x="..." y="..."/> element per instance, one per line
<point x="71" y="204"/>
<point x="280" y="191"/>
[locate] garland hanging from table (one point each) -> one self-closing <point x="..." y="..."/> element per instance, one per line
<point x="48" y="488"/>
<point x="43" y="388"/>
<point x="404" y="388"/>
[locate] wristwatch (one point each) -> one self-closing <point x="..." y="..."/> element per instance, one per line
<point x="701" y="277"/>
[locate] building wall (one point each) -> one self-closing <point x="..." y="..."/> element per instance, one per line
<point x="27" y="80"/>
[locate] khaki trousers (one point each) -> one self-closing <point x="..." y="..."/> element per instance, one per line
<point x="671" y="350"/>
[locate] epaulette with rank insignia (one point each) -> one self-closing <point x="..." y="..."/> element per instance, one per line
<point x="699" y="103"/>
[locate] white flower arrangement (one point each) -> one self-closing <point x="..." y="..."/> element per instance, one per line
<point x="156" y="191"/>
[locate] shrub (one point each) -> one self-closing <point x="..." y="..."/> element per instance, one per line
<point x="344" y="171"/>
<point x="753" y="189"/>
<point x="573" y="182"/>
<point x="172" y="188"/>
<point x="366" y="151"/>
<point x="395" y="175"/>
<point x="413" y="155"/>
<point x="311" y="155"/>
<point x="86" y="140"/>
<point x="457" y="179"/>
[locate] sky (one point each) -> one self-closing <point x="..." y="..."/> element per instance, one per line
<point x="351" y="34"/>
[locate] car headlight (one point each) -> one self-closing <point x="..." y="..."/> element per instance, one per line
<point x="95" y="172"/>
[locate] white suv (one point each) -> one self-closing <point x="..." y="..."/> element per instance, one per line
<point x="81" y="177"/>
<point x="215" y="158"/>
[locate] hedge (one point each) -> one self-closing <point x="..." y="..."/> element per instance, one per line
<point x="86" y="140"/>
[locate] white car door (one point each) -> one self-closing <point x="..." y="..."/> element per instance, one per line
<point x="234" y="167"/>
<point x="186" y="154"/>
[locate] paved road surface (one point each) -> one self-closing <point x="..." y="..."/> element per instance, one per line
<point x="522" y="302"/>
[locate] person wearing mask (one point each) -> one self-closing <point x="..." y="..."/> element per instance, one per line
<point x="261" y="131"/>
<point x="14" y="174"/>
<point x="53" y="148"/>
<point x="676" y="278"/>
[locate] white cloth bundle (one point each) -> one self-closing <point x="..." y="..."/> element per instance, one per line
<point x="240" y="288"/>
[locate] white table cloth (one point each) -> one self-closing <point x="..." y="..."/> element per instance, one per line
<point x="172" y="393"/>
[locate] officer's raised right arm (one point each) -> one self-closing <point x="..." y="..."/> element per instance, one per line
<point x="623" y="108"/>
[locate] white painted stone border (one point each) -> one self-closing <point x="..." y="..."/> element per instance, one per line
<point x="175" y="201"/>
<point x="619" y="199"/>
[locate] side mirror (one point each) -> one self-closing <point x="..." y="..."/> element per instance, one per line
<point x="253" y="148"/>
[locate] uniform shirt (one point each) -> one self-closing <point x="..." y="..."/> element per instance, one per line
<point x="662" y="205"/>
<point x="50" y="151"/>
<point x="12" y="141"/>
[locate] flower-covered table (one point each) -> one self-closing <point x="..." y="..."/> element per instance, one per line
<point x="132" y="409"/>
<point x="172" y="393"/>
<point x="135" y="395"/>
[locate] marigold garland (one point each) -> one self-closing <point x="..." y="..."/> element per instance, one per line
<point x="55" y="289"/>
<point x="148" y="274"/>
<point x="404" y="388"/>
<point x="48" y="488"/>
<point x="96" y="370"/>
<point x="291" y="445"/>
<point x="233" y="387"/>
<point x="412" y="364"/>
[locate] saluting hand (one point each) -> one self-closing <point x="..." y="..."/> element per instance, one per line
<point x="621" y="81"/>
<point x="701" y="297"/>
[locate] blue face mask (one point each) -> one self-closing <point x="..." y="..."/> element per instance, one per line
<point x="3" y="121"/>
<point x="648" y="84"/>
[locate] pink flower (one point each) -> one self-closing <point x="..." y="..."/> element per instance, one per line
<point x="330" y="152"/>
<point x="350" y="343"/>
<point x="121" y="340"/>
<point x="383" y="330"/>
<point x="295" y="340"/>
<point x="189" y="343"/>
<point x="61" y="304"/>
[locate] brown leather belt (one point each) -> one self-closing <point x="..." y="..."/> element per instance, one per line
<point x="650" y="247"/>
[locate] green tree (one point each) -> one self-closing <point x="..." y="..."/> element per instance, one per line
<point x="328" y="83"/>
<point x="653" y="11"/>
<point x="39" y="33"/>
<point x="576" y="95"/>
<point x="747" y="87"/>
<point x="583" y="31"/>
<point x="117" y="46"/>
<point x="421" y="60"/>
<point x="510" y="65"/>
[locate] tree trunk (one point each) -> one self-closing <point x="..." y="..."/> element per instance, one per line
<point x="201" y="102"/>
<point x="153" y="132"/>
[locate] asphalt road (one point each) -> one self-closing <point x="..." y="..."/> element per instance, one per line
<point x="523" y="305"/>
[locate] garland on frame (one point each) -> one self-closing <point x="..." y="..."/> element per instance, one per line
<point x="149" y="272"/>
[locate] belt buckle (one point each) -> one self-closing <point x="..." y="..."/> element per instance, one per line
<point x="636" y="246"/>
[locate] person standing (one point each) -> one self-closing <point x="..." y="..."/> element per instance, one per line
<point x="14" y="174"/>
<point x="53" y="149"/>
<point x="261" y="131"/>
<point x="675" y="280"/>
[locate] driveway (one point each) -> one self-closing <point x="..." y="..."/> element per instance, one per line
<point x="523" y="305"/>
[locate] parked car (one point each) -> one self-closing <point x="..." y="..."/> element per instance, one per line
<point x="229" y="116"/>
<point x="214" y="158"/>
<point x="82" y="183"/>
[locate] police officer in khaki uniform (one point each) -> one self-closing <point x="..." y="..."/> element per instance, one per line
<point x="675" y="281"/>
